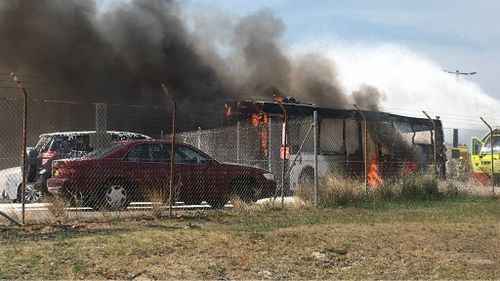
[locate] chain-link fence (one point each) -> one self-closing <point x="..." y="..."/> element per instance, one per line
<point x="92" y="161"/>
<point x="61" y="130"/>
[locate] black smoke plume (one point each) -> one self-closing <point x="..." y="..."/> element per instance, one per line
<point x="368" y="97"/>
<point x="73" y="51"/>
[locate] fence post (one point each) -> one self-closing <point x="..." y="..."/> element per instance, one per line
<point x="238" y="139"/>
<point x="433" y="139"/>
<point x="365" y="149"/>
<point x="270" y="150"/>
<point x="455" y="138"/>
<point x="100" y="118"/>
<point x="492" y="160"/>
<point x="23" y="154"/>
<point x="316" y="132"/>
<point x="100" y="139"/>
<point x="172" y="150"/>
<point x="285" y="145"/>
<point x="198" y="141"/>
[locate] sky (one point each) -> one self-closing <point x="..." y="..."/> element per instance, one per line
<point x="455" y="34"/>
<point x="401" y="47"/>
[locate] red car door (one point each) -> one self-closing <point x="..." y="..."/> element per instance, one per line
<point x="208" y="179"/>
<point x="146" y="167"/>
<point x="189" y="175"/>
<point x="217" y="181"/>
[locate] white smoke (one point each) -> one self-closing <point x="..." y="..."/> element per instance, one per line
<point x="410" y="81"/>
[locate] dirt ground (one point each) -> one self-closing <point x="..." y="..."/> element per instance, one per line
<point x="433" y="241"/>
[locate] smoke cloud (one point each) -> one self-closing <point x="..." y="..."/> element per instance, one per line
<point x="368" y="97"/>
<point x="123" y="55"/>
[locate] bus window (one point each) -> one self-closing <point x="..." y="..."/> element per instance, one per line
<point x="352" y="136"/>
<point x="331" y="136"/>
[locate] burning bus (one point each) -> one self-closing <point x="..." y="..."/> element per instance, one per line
<point x="253" y="134"/>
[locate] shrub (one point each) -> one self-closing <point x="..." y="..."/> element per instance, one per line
<point x="340" y="192"/>
<point x="388" y="191"/>
<point x="452" y="191"/>
<point x="419" y="187"/>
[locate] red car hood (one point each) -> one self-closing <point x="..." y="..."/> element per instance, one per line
<point x="245" y="166"/>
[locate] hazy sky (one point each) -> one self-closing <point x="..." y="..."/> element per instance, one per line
<point x="378" y="41"/>
<point x="460" y="35"/>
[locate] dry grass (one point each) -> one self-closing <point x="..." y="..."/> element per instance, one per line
<point x="239" y="204"/>
<point x="57" y="206"/>
<point x="445" y="240"/>
<point x="158" y="205"/>
<point x="397" y="239"/>
<point x="13" y="214"/>
<point x="345" y="192"/>
<point x="158" y="209"/>
<point x="468" y="188"/>
<point x="335" y="191"/>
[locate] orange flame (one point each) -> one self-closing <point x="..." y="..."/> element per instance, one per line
<point x="279" y="99"/>
<point x="229" y="110"/>
<point x="255" y="120"/>
<point x="374" y="178"/>
<point x="261" y="119"/>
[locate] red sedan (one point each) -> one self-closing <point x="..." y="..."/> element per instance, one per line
<point x="139" y="170"/>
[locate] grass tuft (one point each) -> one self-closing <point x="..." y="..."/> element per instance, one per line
<point x="419" y="187"/>
<point x="58" y="208"/>
<point x="158" y="205"/>
<point x="340" y="192"/>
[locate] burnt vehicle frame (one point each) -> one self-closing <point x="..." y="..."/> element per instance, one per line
<point x="399" y="144"/>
